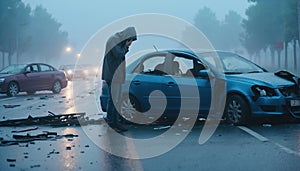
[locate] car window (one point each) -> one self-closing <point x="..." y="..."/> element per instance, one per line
<point x="184" y="64"/>
<point x="12" y="69"/>
<point x="45" y="68"/>
<point x="152" y="65"/>
<point x="32" y="68"/>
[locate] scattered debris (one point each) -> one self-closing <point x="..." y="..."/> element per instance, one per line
<point x="162" y="127"/>
<point x="11" y="160"/>
<point x="34" y="166"/>
<point x="31" y="98"/>
<point x="25" y="130"/>
<point x="267" y="125"/>
<point x="29" y="138"/>
<point x="46" y="97"/>
<point x="10" y="105"/>
<point x="53" y="120"/>
<point x="185" y="119"/>
<point x="202" y="119"/>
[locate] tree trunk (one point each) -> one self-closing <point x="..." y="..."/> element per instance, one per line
<point x="286" y="55"/>
<point x="2" y="66"/>
<point x="278" y="56"/>
<point x="295" y="54"/>
<point x="298" y="5"/>
<point x="272" y="58"/>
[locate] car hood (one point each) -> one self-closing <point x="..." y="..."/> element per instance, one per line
<point x="266" y="78"/>
<point x="5" y="75"/>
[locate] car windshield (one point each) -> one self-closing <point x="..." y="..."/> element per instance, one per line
<point x="12" y="69"/>
<point x="230" y="63"/>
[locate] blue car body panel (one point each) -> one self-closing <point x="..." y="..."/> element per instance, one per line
<point x="167" y="90"/>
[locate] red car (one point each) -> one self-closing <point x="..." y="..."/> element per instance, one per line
<point x="31" y="78"/>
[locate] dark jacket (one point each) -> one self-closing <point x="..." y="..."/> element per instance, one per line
<point x="114" y="59"/>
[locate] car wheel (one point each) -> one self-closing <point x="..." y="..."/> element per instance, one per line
<point x="129" y="109"/>
<point x="56" y="87"/>
<point x="12" y="89"/>
<point x="237" y="111"/>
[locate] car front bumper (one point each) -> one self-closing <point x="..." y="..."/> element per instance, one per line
<point x="277" y="105"/>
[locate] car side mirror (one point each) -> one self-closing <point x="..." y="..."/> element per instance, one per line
<point x="204" y="74"/>
<point x="26" y="72"/>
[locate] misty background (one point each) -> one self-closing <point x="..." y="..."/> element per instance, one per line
<point x="55" y="31"/>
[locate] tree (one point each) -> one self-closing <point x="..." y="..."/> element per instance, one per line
<point x="230" y="31"/>
<point x="208" y="23"/>
<point x="50" y="40"/>
<point x="13" y="16"/>
<point x="34" y="33"/>
<point x="264" y="26"/>
<point x="291" y="26"/>
<point x="269" y="24"/>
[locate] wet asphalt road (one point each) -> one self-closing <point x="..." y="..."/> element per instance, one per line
<point x="259" y="146"/>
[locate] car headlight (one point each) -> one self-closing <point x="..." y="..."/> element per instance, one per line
<point x="263" y="91"/>
<point x="69" y="71"/>
<point x="2" y="80"/>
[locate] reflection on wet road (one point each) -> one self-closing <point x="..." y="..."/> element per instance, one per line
<point x="265" y="146"/>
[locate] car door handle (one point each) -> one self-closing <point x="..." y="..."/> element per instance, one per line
<point x="170" y="84"/>
<point x="136" y="82"/>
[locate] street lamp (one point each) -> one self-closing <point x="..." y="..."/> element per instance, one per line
<point x="68" y="49"/>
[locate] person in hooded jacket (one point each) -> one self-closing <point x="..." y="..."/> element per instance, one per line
<point x="113" y="72"/>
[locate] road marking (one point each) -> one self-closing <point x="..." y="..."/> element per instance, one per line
<point x="287" y="150"/>
<point x="264" y="139"/>
<point x="254" y="134"/>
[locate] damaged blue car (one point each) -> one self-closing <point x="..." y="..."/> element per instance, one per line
<point x="174" y="75"/>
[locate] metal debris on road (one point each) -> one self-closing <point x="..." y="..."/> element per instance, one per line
<point x="46" y="97"/>
<point x="162" y="127"/>
<point x="52" y="119"/>
<point x="29" y="138"/>
<point x="267" y="125"/>
<point x="25" y="130"/>
<point x="10" y="105"/>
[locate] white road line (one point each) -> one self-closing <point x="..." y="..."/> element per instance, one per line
<point x="287" y="150"/>
<point x="264" y="139"/>
<point x="254" y="134"/>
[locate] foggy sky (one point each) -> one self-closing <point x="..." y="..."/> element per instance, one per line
<point x="82" y="18"/>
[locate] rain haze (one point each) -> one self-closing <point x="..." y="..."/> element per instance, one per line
<point x="82" y="19"/>
<point x="64" y="107"/>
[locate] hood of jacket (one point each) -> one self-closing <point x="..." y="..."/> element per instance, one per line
<point x="119" y="37"/>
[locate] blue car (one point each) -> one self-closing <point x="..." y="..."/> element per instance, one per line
<point x="169" y="81"/>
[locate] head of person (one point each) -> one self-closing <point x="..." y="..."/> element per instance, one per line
<point x="129" y="35"/>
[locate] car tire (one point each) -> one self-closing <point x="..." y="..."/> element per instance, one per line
<point x="237" y="111"/>
<point x="56" y="88"/>
<point x="12" y="89"/>
<point x="129" y="109"/>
